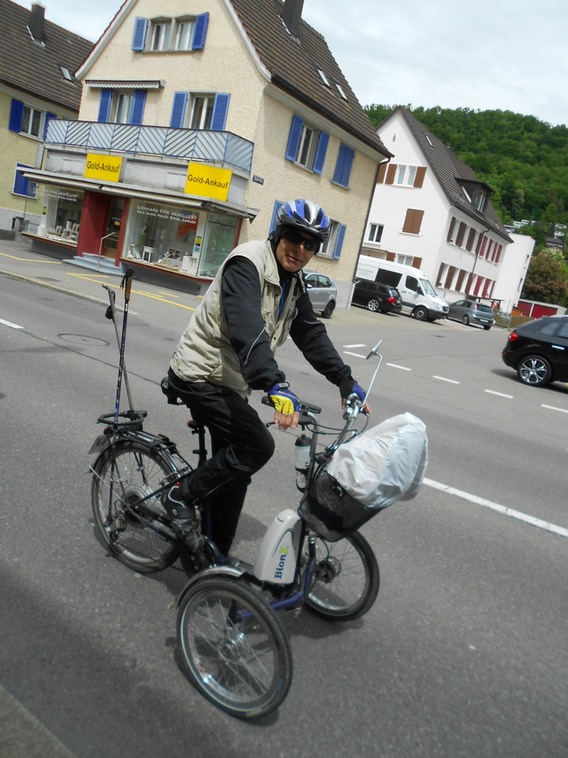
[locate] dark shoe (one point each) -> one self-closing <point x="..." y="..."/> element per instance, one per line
<point x="176" y="506"/>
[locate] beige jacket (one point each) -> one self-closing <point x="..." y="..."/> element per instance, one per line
<point x="205" y="353"/>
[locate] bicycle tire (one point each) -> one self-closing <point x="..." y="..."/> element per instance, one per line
<point x="123" y="474"/>
<point x="233" y="647"/>
<point x="346" y="579"/>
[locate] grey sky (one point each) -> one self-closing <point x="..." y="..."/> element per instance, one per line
<point x="506" y="54"/>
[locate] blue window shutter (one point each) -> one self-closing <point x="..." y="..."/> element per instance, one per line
<point x="294" y="138"/>
<point x="201" y="24"/>
<point x="48" y="117"/>
<point x="343" y="166"/>
<point x="138" y="107"/>
<point x="339" y="242"/>
<point x="277" y="205"/>
<point x="219" y="117"/>
<point x="319" y="160"/>
<point x="139" y="35"/>
<point x="104" y="106"/>
<point x="23" y="186"/>
<point x="178" y="110"/>
<point x="16" y="114"/>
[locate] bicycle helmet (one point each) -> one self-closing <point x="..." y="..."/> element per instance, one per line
<point x="303" y="215"/>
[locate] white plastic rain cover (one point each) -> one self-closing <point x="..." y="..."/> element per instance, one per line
<point x="384" y="464"/>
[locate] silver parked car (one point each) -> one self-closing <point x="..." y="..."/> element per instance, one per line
<point x="322" y="293"/>
<point x="472" y="312"/>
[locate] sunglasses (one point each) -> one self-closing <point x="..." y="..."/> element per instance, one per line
<point x="311" y="245"/>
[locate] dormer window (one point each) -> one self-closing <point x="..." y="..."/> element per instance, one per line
<point x="324" y="78"/>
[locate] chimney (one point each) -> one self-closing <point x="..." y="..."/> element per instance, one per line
<point x="292" y="15"/>
<point x="36" y="21"/>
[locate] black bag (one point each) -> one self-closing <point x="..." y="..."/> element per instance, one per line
<point x="331" y="511"/>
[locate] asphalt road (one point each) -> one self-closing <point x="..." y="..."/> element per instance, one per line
<point x="465" y="652"/>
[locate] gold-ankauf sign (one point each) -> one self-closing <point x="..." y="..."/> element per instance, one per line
<point x="208" y="181"/>
<point x="104" y="167"/>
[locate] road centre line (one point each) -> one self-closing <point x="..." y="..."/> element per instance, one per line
<point x="401" y="368"/>
<point x="362" y="344"/>
<point x="10" y="324"/>
<point x="443" y="379"/>
<point x="357" y="355"/>
<point x="531" y="520"/>
<point x="499" y="394"/>
<point x="552" y="408"/>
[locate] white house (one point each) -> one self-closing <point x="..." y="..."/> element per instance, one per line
<point x="429" y="210"/>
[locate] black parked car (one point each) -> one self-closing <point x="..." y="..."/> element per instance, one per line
<point x="377" y="297"/>
<point x="538" y="350"/>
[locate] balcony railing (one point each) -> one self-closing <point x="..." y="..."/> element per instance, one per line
<point x="191" y="144"/>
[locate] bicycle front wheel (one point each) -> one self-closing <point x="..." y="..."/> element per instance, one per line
<point x="123" y="475"/>
<point x="346" y="579"/>
<point x="233" y="647"/>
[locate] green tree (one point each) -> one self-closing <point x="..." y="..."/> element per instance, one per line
<point x="547" y="278"/>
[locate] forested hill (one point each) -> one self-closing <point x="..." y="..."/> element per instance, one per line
<point x="524" y="160"/>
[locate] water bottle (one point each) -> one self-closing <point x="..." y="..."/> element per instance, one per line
<point x="302" y="449"/>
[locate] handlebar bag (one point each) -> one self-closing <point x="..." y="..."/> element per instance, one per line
<point x="367" y="474"/>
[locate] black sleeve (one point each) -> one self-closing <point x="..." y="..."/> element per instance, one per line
<point x="240" y="303"/>
<point x="310" y="336"/>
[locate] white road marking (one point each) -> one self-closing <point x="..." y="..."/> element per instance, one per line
<point x="552" y="408"/>
<point x="443" y="379"/>
<point x="360" y="345"/>
<point x="499" y="394"/>
<point x="355" y="354"/>
<point x="10" y="324"/>
<point x="546" y="525"/>
<point x="402" y="368"/>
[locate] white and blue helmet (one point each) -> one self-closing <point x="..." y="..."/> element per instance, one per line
<point x="305" y="215"/>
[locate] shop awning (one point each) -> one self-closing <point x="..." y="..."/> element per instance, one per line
<point x="135" y="84"/>
<point x="128" y="190"/>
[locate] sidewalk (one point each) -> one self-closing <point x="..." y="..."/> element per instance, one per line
<point x="19" y="262"/>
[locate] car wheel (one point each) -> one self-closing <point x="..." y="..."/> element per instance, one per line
<point x="328" y="310"/>
<point x="373" y="304"/>
<point x="534" y="371"/>
<point x="487" y="328"/>
<point x="420" y="313"/>
<point x="465" y="320"/>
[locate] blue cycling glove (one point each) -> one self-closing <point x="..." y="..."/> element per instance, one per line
<point x="359" y="391"/>
<point x="349" y="386"/>
<point x="283" y="399"/>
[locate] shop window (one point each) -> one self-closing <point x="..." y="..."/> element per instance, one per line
<point x="200" y="110"/>
<point x="63" y="208"/>
<point x="307" y="145"/>
<point x="165" y="33"/>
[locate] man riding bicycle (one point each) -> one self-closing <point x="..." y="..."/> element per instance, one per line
<point x="256" y="300"/>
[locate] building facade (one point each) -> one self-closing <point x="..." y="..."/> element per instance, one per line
<point x="197" y="120"/>
<point x="430" y="211"/>
<point x="38" y="60"/>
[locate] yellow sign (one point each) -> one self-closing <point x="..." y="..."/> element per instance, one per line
<point x="208" y="181"/>
<point x="105" y="167"/>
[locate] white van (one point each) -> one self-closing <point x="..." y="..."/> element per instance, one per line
<point x="419" y="298"/>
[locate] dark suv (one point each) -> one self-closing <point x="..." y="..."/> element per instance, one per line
<point x="377" y="296"/>
<point x="538" y="351"/>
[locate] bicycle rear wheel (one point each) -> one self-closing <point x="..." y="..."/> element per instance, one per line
<point x="346" y="581"/>
<point x="233" y="647"/>
<point x="123" y="475"/>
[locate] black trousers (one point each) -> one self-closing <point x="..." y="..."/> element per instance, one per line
<point x="241" y="445"/>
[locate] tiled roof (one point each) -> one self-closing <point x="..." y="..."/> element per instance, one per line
<point x="448" y="170"/>
<point x="293" y="63"/>
<point x="36" y="68"/>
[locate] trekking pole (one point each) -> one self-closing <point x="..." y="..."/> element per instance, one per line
<point x="126" y="284"/>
